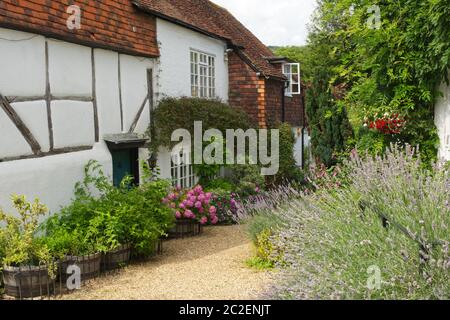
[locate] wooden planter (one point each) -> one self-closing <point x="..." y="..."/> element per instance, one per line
<point x="185" y="228"/>
<point x="158" y="250"/>
<point x="89" y="266"/>
<point x="27" y="282"/>
<point x="116" y="259"/>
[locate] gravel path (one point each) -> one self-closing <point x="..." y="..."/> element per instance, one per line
<point x="211" y="266"/>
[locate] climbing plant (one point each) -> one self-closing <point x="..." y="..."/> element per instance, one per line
<point x="387" y="58"/>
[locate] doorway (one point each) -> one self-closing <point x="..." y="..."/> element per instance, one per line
<point x="125" y="163"/>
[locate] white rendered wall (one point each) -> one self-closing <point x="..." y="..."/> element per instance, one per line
<point x="51" y="179"/>
<point x="442" y="120"/>
<point x="134" y="84"/>
<point x="23" y="64"/>
<point x="70" y="69"/>
<point x="175" y="45"/>
<point x="107" y="91"/>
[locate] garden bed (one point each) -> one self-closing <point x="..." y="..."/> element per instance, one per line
<point x="185" y="228"/>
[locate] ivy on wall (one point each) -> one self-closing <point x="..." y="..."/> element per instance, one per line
<point x="181" y="113"/>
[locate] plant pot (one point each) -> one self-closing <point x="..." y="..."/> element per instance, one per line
<point x="89" y="266"/>
<point x="27" y="282"/>
<point x="116" y="259"/>
<point x="185" y="228"/>
<point x="158" y="249"/>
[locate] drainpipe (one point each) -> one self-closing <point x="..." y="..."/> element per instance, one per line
<point x="283" y="104"/>
<point x="303" y="132"/>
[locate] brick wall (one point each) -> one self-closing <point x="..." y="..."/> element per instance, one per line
<point x="246" y="89"/>
<point x="110" y="24"/>
<point x="293" y="105"/>
<point x="261" y="98"/>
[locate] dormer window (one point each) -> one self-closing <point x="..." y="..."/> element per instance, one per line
<point x="292" y="73"/>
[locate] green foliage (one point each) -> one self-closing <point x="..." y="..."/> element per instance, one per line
<point x="395" y="69"/>
<point x="246" y="179"/>
<point x="262" y="228"/>
<point x="104" y="217"/>
<point x="302" y="55"/>
<point x="288" y="171"/>
<point x="19" y="246"/>
<point x="181" y="113"/>
<point x="330" y="128"/>
<point x="222" y="184"/>
<point x="332" y="245"/>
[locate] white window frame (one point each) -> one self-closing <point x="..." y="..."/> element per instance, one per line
<point x="203" y="74"/>
<point x="182" y="170"/>
<point x="293" y="86"/>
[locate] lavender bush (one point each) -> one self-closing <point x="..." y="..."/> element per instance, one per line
<point x="333" y="249"/>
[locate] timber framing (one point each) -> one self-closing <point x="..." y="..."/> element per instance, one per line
<point x="21" y="126"/>
<point x="49" y="153"/>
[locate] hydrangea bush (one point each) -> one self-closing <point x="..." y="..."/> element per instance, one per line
<point x="195" y="204"/>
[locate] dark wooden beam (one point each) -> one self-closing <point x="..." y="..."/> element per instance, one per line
<point x="49" y="153"/>
<point x="48" y="98"/>
<point x="21" y="126"/>
<point x="94" y="98"/>
<point x="138" y="116"/>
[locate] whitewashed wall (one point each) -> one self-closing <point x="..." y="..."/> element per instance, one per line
<point x="442" y="120"/>
<point x="23" y="63"/>
<point x="175" y="45"/>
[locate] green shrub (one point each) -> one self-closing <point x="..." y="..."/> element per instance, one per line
<point x="103" y="217"/>
<point x="19" y="243"/>
<point x="246" y="179"/>
<point x="220" y="184"/>
<point x="333" y="248"/>
<point x="262" y="228"/>
<point x="176" y="113"/>
<point x="288" y="171"/>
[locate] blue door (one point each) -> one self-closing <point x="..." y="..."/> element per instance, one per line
<point x="122" y="165"/>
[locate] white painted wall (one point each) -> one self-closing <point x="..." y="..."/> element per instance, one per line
<point x="70" y="69"/>
<point x="175" y="74"/>
<point x="134" y="89"/>
<point x="442" y="120"/>
<point x="51" y="179"/>
<point x="23" y="65"/>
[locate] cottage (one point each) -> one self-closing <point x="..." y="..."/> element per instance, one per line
<point x="70" y="93"/>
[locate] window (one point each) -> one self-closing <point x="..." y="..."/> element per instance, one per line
<point x="203" y="75"/>
<point x="183" y="171"/>
<point x="292" y="72"/>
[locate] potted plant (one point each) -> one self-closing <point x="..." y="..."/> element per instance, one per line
<point x="28" y="270"/>
<point x="192" y="210"/>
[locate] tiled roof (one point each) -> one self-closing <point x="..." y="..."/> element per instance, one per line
<point x="110" y="24"/>
<point x="207" y="17"/>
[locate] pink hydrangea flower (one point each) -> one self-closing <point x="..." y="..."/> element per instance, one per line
<point x="189" y="204"/>
<point x="193" y="199"/>
<point x="198" y="189"/>
<point x="188" y="214"/>
<point x="212" y="210"/>
<point x="198" y="204"/>
<point x="165" y="200"/>
<point x="214" y="220"/>
<point x="182" y="205"/>
<point x="201" y="210"/>
<point x="204" y="220"/>
<point x="178" y="215"/>
<point x="208" y="195"/>
<point x="201" y="197"/>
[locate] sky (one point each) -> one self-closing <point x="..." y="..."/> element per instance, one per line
<point x="274" y="22"/>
